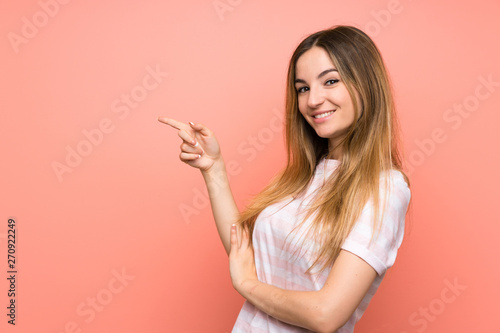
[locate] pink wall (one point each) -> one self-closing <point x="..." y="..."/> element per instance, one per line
<point x="103" y="245"/>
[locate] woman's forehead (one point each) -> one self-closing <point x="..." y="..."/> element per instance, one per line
<point x="314" y="62"/>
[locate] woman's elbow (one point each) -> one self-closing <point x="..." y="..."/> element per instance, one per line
<point x="329" y="321"/>
<point x="326" y="328"/>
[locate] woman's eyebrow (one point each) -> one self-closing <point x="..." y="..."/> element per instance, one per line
<point x="326" y="71"/>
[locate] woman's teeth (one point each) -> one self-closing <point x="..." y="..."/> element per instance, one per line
<point x="323" y="115"/>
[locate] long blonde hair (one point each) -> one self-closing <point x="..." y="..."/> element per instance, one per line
<point x="369" y="148"/>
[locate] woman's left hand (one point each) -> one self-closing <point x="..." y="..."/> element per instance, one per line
<point x="241" y="259"/>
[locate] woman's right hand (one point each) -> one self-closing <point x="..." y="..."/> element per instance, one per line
<point x="199" y="147"/>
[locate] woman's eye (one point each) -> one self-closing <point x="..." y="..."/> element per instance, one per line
<point x="302" y="89"/>
<point x="332" y="81"/>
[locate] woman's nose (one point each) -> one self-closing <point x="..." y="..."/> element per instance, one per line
<point x="315" y="98"/>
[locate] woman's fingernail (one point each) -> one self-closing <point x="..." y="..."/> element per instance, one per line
<point x="195" y="143"/>
<point x="192" y="124"/>
<point x="199" y="156"/>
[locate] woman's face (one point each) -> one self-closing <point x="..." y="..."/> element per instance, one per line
<point x="323" y="98"/>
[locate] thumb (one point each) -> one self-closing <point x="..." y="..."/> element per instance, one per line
<point x="233" y="237"/>
<point x="199" y="127"/>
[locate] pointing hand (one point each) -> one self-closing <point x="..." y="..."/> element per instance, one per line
<point x="199" y="147"/>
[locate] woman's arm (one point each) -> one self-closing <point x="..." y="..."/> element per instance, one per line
<point x="324" y="310"/>
<point x="201" y="150"/>
<point x="222" y="201"/>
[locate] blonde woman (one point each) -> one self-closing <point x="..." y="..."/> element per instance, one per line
<point x="308" y="253"/>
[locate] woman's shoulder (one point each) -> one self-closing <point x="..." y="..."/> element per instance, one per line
<point x="397" y="181"/>
<point x="394" y="174"/>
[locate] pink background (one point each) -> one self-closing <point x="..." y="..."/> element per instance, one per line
<point x="118" y="210"/>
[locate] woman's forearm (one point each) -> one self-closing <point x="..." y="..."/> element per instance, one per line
<point x="300" y="308"/>
<point x="222" y="201"/>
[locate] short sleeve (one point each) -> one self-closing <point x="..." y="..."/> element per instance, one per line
<point x="381" y="252"/>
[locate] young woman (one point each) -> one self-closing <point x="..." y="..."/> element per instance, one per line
<point x="311" y="249"/>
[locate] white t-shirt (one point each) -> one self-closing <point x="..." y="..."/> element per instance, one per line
<point x="277" y="262"/>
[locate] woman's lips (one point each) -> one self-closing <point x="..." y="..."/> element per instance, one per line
<point x="323" y="116"/>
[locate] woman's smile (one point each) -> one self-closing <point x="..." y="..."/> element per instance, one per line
<point x="322" y="116"/>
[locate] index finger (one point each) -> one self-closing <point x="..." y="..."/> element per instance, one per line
<point x="174" y="123"/>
